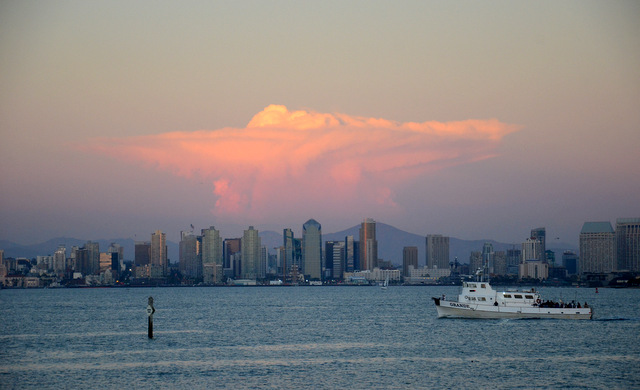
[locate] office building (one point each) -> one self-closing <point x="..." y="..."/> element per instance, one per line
<point x="250" y="254"/>
<point x="312" y="249"/>
<point x="409" y="258"/>
<point x="437" y="251"/>
<point x="159" y="263"/>
<point x="190" y="264"/>
<point x="368" y="245"/>
<point x="540" y="234"/>
<point x="628" y="244"/>
<point x="570" y="262"/>
<point x="597" y="248"/>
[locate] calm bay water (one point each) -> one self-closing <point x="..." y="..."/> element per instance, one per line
<point x="303" y="337"/>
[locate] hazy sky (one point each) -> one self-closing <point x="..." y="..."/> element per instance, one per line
<point x="471" y="119"/>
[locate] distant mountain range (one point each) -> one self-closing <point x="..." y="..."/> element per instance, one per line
<point x="391" y="241"/>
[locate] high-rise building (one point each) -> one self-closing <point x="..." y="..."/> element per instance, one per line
<point x="540" y="234"/>
<point x="211" y="255"/>
<point x="514" y="258"/>
<point x="570" y="262"/>
<point x="531" y="250"/>
<point x="350" y="254"/>
<point x="60" y="260"/>
<point x="338" y="260"/>
<point x="251" y="254"/>
<point x="437" y="251"/>
<point x="142" y="256"/>
<point x="500" y="263"/>
<point x="328" y="258"/>
<point x="312" y="249"/>
<point x="475" y="262"/>
<point x="409" y="258"/>
<point x="93" y="249"/>
<point x="190" y="264"/>
<point x="159" y="263"/>
<point x="368" y="245"/>
<point x="116" y="252"/>
<point x="487" y="257"/>
<point x="628" y="244"/>
<point x="597" y="248"/>
<point x="289" y="250"/>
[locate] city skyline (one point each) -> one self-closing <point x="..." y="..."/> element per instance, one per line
<point x="477" y="121"/>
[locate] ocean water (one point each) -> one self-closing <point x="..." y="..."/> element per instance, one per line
<point x="307" y="337"/>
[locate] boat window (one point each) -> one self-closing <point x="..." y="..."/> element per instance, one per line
<point x="507" y="295"/>
<point x="482" y="299"/>
<point x="472" y="285"/>
<point x="517" y="296"/>
<point x="529" y="296"/>
<point x="482" y="286"/>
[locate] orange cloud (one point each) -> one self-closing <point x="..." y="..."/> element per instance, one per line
<point x="308" y="161"/>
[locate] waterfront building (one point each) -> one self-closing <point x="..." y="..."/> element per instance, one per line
<point x="289" y="251"/>
<point x="190" y="264"/>
<point x="312" y="249"/>
<point x="338" y="249"/>
<point x="211" y="254"/>
<point x="514" y="258"/>
<point x="487" y="257"/>
<point x="597" y="248"/>
<point x="628" y="244"/>
<point x="350" y="254"/>
<point x="159" y="263"/>
<point x="570" y="262"/>
<point x="59" y="263"/>
<point x="475" y="262"/>
<point x="231" y="246"/>
<point x="535" y="269"/>
<point x="116" y="253"/>
<point x="409" y="258"/>
<point x="532" y="250"/>
<point x="368" y="245"/>
<point x="426" y="275"/>
<point x="93" y="265"/>
<point x="251" y="254"/>
<point x="500" y="263"/>
<point x="437" y="251"/>
<point x="540" y="234"/>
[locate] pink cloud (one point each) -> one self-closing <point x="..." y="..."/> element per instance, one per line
<point x="297" y="162"/>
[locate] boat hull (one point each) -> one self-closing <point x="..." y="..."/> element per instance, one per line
<point x="450" y="309"/>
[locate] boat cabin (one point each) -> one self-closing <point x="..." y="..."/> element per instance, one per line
<point x="483" y="293"/>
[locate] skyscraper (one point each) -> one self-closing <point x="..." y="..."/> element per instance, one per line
<point x="159" y="262"/>
<point x="532" y="250"/>
<point x="231" y="247"/>
<point x="312" y="249"/>
<point x="540" y="234"/>
<point x="409" y="258"/>
<point x="251" y="254"/>
<point x="597" y="248"/>
<point x="487" y="257"/>
<point x="289" y="250"/>
<point x="368" y="245"/>
<point x="437" y="251"/>
<point x="211" y="255"/>
<point x="338" y="260"/>
<point x="93" y="249"/>
<point x="350" y="254"/>
<point x="190" y="264"/>
<point x="628" y="244"/>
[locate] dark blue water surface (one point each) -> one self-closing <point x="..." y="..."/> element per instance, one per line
<point x="307" y="337"/>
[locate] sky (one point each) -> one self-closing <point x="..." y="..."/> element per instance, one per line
<point x="477" y="120"/>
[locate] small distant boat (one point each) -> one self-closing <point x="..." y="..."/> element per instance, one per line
<point x="385" y="284"/>
<point x="480" y="300"/>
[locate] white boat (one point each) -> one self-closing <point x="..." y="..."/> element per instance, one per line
<point x="385" y="284"/>
<point x="480" y="300"/>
